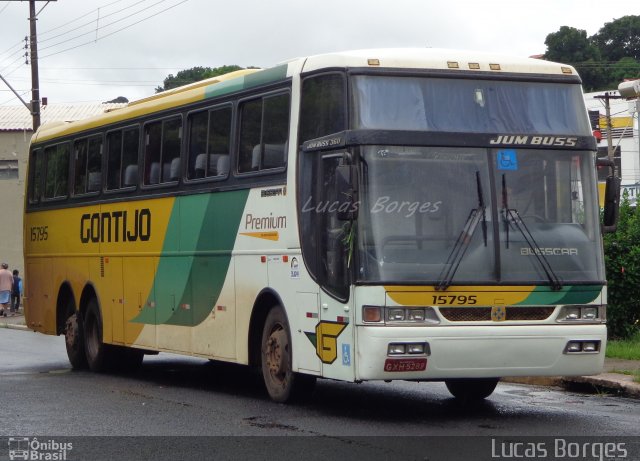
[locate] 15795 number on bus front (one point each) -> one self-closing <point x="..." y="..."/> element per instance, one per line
<point x="39" y="233"/>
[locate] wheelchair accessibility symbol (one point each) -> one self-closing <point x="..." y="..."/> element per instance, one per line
<point x="507" y="160"/>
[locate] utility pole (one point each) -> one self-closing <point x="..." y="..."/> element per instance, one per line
<point x="35" y="80"/>
<point x="608" y="96"/>
<point x="631" y="90"/>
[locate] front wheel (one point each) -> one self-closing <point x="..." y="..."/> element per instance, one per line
<point x="469" y="390"/>
<point x="281" y="382"/>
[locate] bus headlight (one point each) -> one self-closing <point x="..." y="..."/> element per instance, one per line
<point x="396" y="315"/>
<point x="400" y="315"/>
<point x="582" y="314"/>
<point x="412" y="315"/>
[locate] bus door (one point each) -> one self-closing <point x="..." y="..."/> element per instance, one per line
<point x="335" y="216"/>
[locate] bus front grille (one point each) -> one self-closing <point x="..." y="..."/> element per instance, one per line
<point x="483" y="314"/>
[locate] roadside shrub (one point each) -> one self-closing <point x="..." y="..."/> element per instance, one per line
<point x="622" y="262"/>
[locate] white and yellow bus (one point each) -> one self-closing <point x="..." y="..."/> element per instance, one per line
<point x="389" y="214"/>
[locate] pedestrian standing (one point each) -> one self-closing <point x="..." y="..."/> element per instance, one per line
<point x="6" y="286"/>
<point x="16" y="292"/>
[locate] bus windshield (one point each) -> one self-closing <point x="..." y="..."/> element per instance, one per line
<point x="472" y="106"/>
<point x="445" y="215"/>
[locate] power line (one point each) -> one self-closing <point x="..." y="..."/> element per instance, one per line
<point x="91" y="32"/>
<point x="4" y="7"/>
<point x="80" y="17"/>
<point x="93" y="21"/>
<point x="114" y="32"/>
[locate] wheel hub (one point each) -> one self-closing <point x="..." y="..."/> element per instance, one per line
<point x="71" y="331"/>
<point x="276" y="353"/>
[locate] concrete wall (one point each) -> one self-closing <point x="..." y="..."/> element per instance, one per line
<point x="13" y="145"/>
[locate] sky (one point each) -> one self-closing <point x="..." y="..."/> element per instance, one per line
<point x="97" y="50"/>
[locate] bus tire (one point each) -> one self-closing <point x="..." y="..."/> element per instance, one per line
<point x="281" y="382"/>
<point x="96" y="351"/>
<point x="74" y="341"/>
<point x="471" y="390"/>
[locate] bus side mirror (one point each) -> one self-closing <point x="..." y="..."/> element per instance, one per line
<point x="611" y="198"/>
<point x="611" y="204"/>
<point x="346" y="192"/>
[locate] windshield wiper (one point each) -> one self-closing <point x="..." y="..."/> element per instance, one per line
<point x="462" y="243"/>
<point x="511" y="215"/>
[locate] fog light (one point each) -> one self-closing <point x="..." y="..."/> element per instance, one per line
<point x="415" y="348"/>
<point x="396" y="349"/>
<point x="371" y="313"/>
<point x="573" y="347"/>
<point x="582" y="347"/>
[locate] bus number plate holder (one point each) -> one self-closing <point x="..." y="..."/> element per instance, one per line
<point x="404" y="365"/>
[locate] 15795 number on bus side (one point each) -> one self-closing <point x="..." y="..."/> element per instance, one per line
<point x="455" y="300"/>
<point x="39" y="233"/>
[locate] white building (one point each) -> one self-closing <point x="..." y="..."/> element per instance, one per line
<point x="15" y="132"/>
<point x="624" y="129"/>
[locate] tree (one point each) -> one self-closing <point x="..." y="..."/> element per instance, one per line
<point x="194" y="74"/>
<point x="572" y="46"/>
<point x="619" y="39"/>
<point x="625" y="68"/>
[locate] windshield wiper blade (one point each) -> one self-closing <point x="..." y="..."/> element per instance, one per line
<point x="462" y="243"/>
<point x="511" y="215"/>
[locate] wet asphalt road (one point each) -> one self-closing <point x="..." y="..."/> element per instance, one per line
<point x="181" y="396"/>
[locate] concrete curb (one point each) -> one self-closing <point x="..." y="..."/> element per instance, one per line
<point x="604" y="383"/>
<point x="614" y="383"/>
<point x="12" y="326"/>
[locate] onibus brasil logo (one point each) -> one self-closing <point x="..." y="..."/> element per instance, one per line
<point x="32" y="449"/>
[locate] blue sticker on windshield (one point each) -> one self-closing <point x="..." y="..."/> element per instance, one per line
<point x="507" y="159"/>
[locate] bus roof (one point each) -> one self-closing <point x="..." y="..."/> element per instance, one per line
<point x="436" y="58"/>
<point x="155" y="103"/>
<point x="400" y="58"/>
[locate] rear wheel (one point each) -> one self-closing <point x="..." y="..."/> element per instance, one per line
<point x="281" y="382"/>
<point x="101" y="356"/>
<point x="96" y="350"/>
<point x="469" y="390"/>
<point x="74" y="341"/>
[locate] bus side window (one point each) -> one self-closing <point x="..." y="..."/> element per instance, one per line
<point x="264" y="132"/>
<point x="114" y="159"/>
<point x="36" y="171"/>
<point x="57" y="170"/>
<point x="162" y="151"/>
<point x="171" y="141"/>
<point x="87" y="155"/>
<point x="80" y="166"/>
<point x="94" y="164"/>
<point x="130" y="142"/>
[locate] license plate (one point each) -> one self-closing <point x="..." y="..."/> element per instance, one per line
<point x="400" y="365"/>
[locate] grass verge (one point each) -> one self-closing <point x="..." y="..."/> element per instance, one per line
<point x="628" y="349"/>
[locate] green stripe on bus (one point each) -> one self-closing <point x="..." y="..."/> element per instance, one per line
<point x="266" y="76"/>
<point x="248" y="81"/>
<point x="195" y="258"/>
<point x="567" y="295"/>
